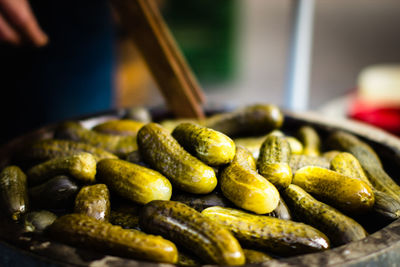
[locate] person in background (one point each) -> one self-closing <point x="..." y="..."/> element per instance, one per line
<point x="56" y="62"/>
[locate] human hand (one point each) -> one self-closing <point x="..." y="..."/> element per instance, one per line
<point x="18" y="24"/>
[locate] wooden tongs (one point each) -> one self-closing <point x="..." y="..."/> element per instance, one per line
<point x="172" y="74"/>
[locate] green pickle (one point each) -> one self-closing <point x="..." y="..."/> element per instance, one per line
<point x="310" y="140"/>
<point x="81" y="166"/>
<point x="341" y="191"/>
<point x="119" y="127"/>
<point x="13" y="191"/>
<point x="163" y="153"/>
<point x="211" y="147"/>
<point x="191" y="230"/>
<point x="281" y="237"/>
<point x="86" y="232"/>
<point x="338" y="227"/>
<point x="117" y="144"/>
<point x="241" y="184"/>
<point x="94" y="201"/>
<point x="273" y="162"/>
<point x="252" y="120"/>
<point x="134" y="182"/>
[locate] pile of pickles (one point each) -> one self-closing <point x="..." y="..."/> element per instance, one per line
<point x="231" y="189"/>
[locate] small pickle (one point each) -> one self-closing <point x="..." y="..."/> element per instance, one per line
<point x="252" y="120"/>
<point x="163" y="153"/>
<point x="86" y="232"/>
<point x="343" y="192"/>
<point x="273" y="162"/>
<point x="299" y="161"/>
<point x="338" y="227"/>
<point x="37" y="221"/>
<point x="241" y="184"/>
<point x="310" y="139"/>
<point x="296" y="147"/>
<point x="119" y="127"/>
<point x="254" y="256"/>
<point x="141" y="114"/>
<point x="188" y="228"/>
<point x="57" y="193"/>
<point x="270" y="234"/>
<point x="117" y="144"/>
<point x="81" y="166"/>
<point x="134" y="182"/>
<point x="94" y="201"/>
<point x="13" y="191"/>
<point x="211" y="147"/>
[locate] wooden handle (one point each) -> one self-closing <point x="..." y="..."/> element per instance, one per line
<point x="147" y="29"/>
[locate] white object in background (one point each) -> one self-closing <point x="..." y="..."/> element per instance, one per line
<point x="298" y="80"/>
<point x="380" y="84"/>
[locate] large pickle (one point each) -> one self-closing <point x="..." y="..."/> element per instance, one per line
<point x="338" y="227"/>
<point x="188" y="228"/>
<point x="117" y="144"/>
<point x="13" y="191"/>
<point x="94" y="201"/>
<point x="278" y="236"/>
<point x="134" y="182"/>
<point x="86" y="232"/>
<point x="210" y="146"/>
<point x="119" y="127"/>
<point x="343" y="192"/>
<point x="161" y="151"/>
<point x="273" y="161"/>
<point x="251" y="120"/>
<point x="48" y="149"/>
<point x="81" y="166"/>
<point x="385" y="205"/>
<point x="242" y="185"/>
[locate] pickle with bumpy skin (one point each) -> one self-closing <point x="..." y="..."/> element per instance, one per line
<point x="254" y="256"/>
<point x="299" y="161"/>
<point x="188" y="228"/>
<point x="338" y="227"/>
<point x="86" y="232"/>
<point x="341" y="191"/>
<point x="57" y="193"/>
<point x="278" y="236"/>
<point x="117" y="144"/>
<point x="13" y="191"/>
<point x="250" y="120"/>
<point x="81" y="166"/>
<point x="210" y="146"/>
<point x="385" y="205"/>
<point x="310" y="139"/>
<point x="44" y="150"/>
<point x="94" y="201"/>
<point x="134" y="182"/>
<point x="273" y="162"/>
<point x="119" y="127"/>
<point x="163" y="153"/>
<point x="242" y="185"/>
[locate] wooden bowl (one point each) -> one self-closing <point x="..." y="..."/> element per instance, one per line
<point x="381" y="248"/>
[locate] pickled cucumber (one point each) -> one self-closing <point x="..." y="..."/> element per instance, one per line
<point x="119" y="127"/>
<point x="94" y="201"/>
<point x="134" y="182"/>
<point x="269" y="234"/>
<point x="162" y="152"/>
<point x="211" y="147"/>
<point x="188" y="228"/>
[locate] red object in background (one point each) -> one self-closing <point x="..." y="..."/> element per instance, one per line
<point x="380" y="115"/>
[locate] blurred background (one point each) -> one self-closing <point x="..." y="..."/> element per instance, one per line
<point x="239" y="49"/>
